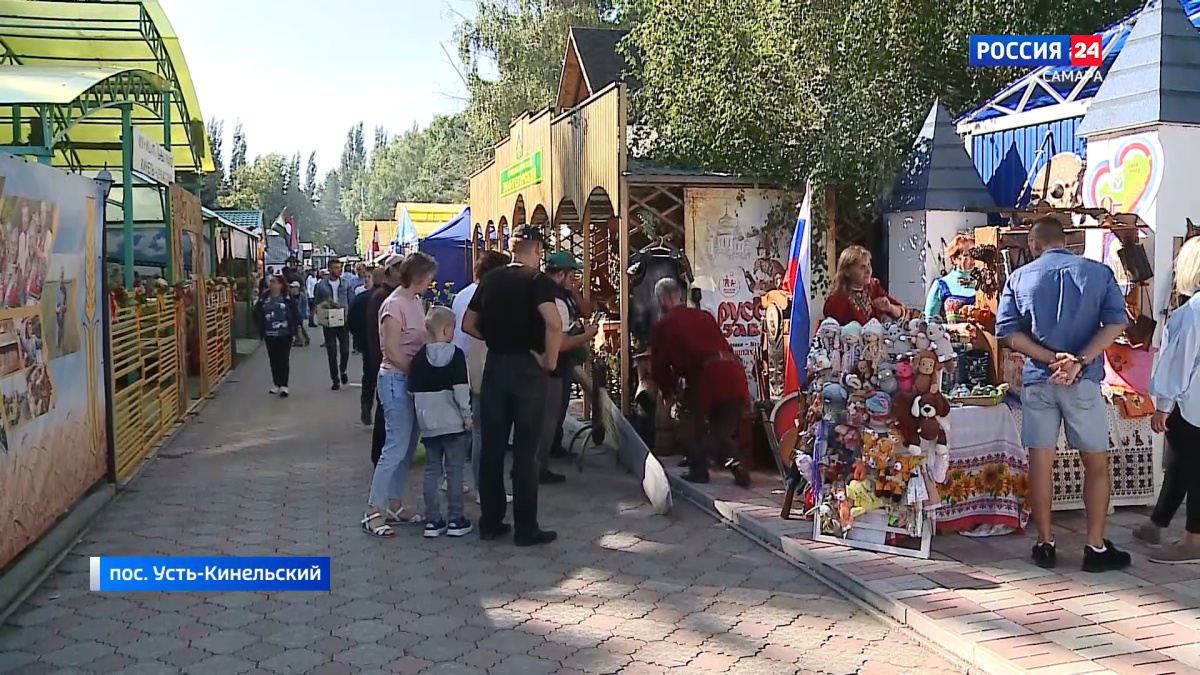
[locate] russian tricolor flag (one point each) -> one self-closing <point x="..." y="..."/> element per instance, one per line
<point x="798" y="282"/>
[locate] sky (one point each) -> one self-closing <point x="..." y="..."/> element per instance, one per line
<point x="300" y="73"/>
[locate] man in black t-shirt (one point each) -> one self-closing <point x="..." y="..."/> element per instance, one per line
<point x="515" y="314"/>
<point x="562" y="268"/>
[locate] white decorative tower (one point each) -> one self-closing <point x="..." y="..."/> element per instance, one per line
<point x="1143" y="137"/>
<point x="937" y="194"/>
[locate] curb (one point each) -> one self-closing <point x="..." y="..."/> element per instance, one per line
<point x="40" y="560"/>
<point x="978" y="657"/>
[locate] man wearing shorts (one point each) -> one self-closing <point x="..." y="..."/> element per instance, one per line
<point x="1061" y="311"/>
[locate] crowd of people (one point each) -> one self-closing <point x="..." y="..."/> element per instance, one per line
<point x="479" y="381"/>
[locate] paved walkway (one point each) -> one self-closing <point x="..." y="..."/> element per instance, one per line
<point x="622" y="591"/>
<point x="983" y="600"/>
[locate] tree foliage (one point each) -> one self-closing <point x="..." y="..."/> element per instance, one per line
<point x="511" y="53"/>
<point x="834" y="89"/>
<point x="237" y="156"/>
<point x="214" y="184"/>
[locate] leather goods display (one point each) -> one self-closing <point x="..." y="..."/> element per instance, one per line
<point x="657" y="261"/>
<point x="1140" y="332"/>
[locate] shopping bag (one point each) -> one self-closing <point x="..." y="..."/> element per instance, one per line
<point x="331" y="317"/>
<point x="1132" y="405"/>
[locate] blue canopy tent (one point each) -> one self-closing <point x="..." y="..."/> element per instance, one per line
<point x="450" y="245"/>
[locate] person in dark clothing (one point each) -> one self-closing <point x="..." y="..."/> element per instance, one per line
<point x="359" y="324"/>
<point x="515" y="314"/>
<point x="373" y="354"/>
<point x="278" y="319"/>
<point x="687" y="346"/>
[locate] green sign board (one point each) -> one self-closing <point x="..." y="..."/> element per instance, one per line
<point x="523" y="173"/>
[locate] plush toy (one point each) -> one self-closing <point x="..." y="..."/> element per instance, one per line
<point x="879" y="410"/>
<point x="862" y="498"/>
<point x="904" y="378"/>
<point x="918" y="334"/>
<point x="859" y="470"/>
<point x="940" y="340"/>
<point x="851" y="346"/>
<point x="896" y="483"/>
<point x="895" y="340"/>
<point x="865" y="370"/>
<point x="928" y="376"/>
<point x="845" y="518"/>
<point x="829" y="339"/>
<point x="819" y="362"/>
<point x="857" y="415"/>
<point x="872" y="342"/>
<point x="933" y="420"/>
<point x="833" y="401"/>
<point x="885" y="378"/>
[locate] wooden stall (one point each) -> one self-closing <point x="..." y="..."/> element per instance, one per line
<point x="146" y="376"/>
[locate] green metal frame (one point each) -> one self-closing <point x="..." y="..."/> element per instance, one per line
<point x="162" y="66"/>
<point x="119" y="91"/>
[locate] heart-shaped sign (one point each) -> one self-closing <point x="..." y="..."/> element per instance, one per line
<point x="1128" y="180"/>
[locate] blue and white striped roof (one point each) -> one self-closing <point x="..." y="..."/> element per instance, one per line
<point x="1049" y="86"/>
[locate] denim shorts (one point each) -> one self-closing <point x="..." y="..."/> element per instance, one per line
<point x="1079" y="409"/>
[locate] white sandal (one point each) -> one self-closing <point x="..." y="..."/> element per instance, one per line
<point x="398" y="518"/>
<point x="382" y="531"/>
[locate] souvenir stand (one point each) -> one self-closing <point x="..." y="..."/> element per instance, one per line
<point x="1133" y="459"/>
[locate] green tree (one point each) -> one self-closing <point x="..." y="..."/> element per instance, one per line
<point x="214" y="184"/>
<point x="834" y="89"/>
<point x="310" y="174"/>
<point x="522" y="41"/>
<point x="237" y="157"/>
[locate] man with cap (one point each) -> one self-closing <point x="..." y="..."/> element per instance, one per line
<point x="515" y="313"/>
<point x="563" y="269"/>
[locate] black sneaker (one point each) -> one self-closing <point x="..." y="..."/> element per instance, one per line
<point x="538" y="538"/>
<point x="345" y="379"/>
<point x="683" y="463"/>
<point x="336" y="386"/>
<point x="458" y="527"/>
<point x="489" y="534"/>
<point x="548" y="477"/>
<point x="740" y="476"/>
<point x="1108" y="560"/>
<point x="435" y="530"/>
<point x="1044" y="555"/>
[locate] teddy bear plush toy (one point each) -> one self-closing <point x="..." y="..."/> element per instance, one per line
<point x="940" y="341"/>
<point x="862" y="498"/>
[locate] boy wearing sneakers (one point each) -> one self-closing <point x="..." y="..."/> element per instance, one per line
<point x="438" y="382"/>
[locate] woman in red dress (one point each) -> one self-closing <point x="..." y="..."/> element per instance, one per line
<point x="857" y="295"/>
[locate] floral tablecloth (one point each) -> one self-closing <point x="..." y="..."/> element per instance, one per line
<point x="987" y="480"/>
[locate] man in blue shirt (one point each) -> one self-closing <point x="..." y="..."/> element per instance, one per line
<point x="1061" y="312"/>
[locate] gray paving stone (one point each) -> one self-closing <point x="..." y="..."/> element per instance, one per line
<point x="11" y="660"/>
<point x="295" y="661"/>
<point x="511" y="642"/>
<point x="152" y="647"/>
<point x="232" y="618"/>
<point x="439" y="649"/>
<point x="149" y="668"/>
<point x="522" y="664"/>
<point x="219" y="665"/>
<point x="225" y="641"/>
<point x="78" y="654"/>
<point x="371" y="630"/>
<point x="296" y="637"/>
<point x="364" y="656"/>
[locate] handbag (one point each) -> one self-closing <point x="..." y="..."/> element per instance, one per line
<point x="1133" y="258"/>
<point x="1139" y="332"/>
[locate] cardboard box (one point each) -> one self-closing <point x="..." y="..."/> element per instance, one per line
<point x="331" y="317"/>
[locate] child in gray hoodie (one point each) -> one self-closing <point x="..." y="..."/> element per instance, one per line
<point x="438" y="382"/>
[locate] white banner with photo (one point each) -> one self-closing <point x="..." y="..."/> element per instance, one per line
<point x="735" y="261"/>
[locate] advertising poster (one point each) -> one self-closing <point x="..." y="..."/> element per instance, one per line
<point x="52" y="421"/>
<point x="736" y="261"/>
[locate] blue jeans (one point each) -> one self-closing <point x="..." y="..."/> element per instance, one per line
<point x="445" y="454"/>
<point x="400" y="440"/>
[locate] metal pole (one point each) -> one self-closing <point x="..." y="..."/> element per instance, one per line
<point x="170" y="236"/>
<point x="127" y="189"/>
<point x="110" y="444"/>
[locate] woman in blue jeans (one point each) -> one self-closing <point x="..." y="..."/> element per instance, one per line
<point x="401" y="335"/>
